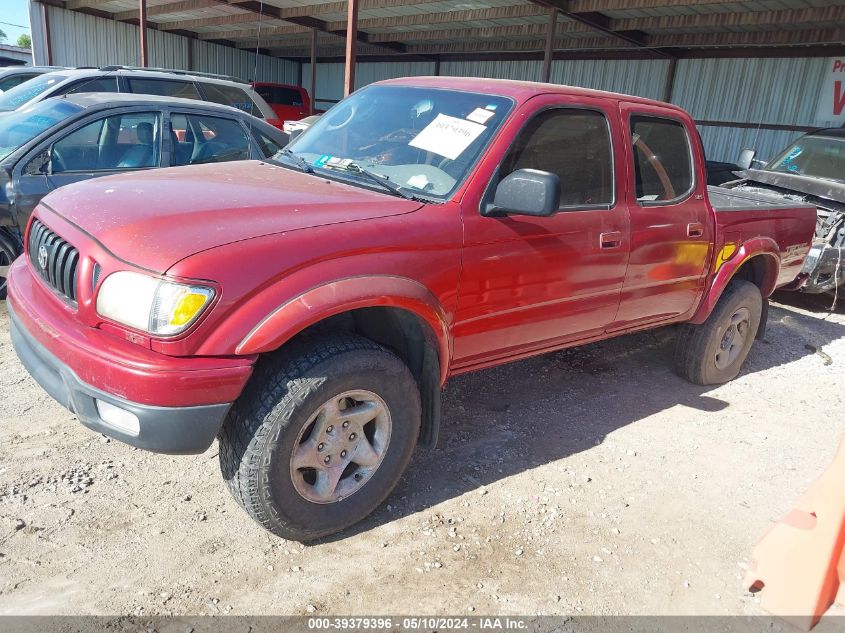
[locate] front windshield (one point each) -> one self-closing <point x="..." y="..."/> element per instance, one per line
<point x="422" y="140"/>
<point x="21" y="126"/>
<point x="15" y="97"/>
<point x="815" y="156"/>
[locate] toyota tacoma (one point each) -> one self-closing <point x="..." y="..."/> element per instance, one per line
<point x="307" y="310"/>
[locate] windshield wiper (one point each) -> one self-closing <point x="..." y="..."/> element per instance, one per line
<point x="384" y="181"/>
<point x="303" y="164"/>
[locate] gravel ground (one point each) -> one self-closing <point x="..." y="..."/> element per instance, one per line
<point x="589" y="481"/>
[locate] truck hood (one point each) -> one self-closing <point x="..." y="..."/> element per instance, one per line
<point x="155" y="218"/>
<point x="818" y="187"/>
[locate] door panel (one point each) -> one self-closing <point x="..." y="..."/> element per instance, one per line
<point x="671" y="224"/>
<point x="530" y="283"/>
<point x="105" y="145"/>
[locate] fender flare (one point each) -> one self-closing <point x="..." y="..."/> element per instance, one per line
<point x="758" y="246"/>
<point x="343" y="295"/>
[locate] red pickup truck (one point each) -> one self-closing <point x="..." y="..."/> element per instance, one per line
<point x="308" y="310"/>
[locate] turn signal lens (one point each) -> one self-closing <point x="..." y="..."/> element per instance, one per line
<point x="187" y="308"/>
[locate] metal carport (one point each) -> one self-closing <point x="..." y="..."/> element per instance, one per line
<point x="750" y="72"/>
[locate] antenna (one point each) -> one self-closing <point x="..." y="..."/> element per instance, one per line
<point x="257" y="43"/>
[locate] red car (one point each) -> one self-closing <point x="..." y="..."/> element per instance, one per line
<point x="308" y="311"/>
<point x="290" y="103"/>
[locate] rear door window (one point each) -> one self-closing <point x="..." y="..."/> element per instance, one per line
<point x="97" y="84"/>
<point x="14" y="80"/>
<point x="164" y="88"/>
<point x="662" y="159"/>
<point x="231" y="96"/>
<point x="278" y="95"/>
<point x="198" y="139"/>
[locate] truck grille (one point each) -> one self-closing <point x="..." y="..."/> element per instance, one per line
<point x="54" y="259"/>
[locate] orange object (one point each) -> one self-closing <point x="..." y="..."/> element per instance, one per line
<point x="800" y="564"/>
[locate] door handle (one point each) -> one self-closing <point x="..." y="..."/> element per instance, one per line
<point x="695" y="229"/>
<point x="611" y="239"/>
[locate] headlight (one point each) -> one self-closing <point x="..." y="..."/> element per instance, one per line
<point x="150" y="304"/>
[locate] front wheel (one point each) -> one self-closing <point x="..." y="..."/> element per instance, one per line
<point x="321" y="435"/>
<point x="713" y="352"/>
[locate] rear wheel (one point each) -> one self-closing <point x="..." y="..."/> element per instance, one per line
<point x="713" y="352"/>
<point x="321" y="436"/>
<point x="8" y="252"/>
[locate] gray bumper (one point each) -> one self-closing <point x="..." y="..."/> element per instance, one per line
<point x="175" y="430"/>
<point x="825" y="267"/>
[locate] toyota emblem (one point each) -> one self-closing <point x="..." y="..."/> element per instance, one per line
<point x="42" y="257"/>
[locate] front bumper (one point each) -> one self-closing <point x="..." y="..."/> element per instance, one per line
<point x="179" y="403"/>
<point x="824" y="267"/>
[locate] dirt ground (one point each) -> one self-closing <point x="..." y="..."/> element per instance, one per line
<point x="589" y="481"/>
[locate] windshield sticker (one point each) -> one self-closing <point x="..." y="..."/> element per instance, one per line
<point x="419" y="181"/>
<point x="491" y="106"/>
<point x="321" y="162"/>
<point x="788" y="160"/>
<point x="480" y="115"/>
<point x="447" y="136"/>
<point x="340" y="163"/>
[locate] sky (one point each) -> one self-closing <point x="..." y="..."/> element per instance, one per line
<point x="14" y="12"/>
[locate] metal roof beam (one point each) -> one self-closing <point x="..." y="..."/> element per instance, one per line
<point x="182" y="6"/>
<point x="492" y="32"/>
<point x="220" y="20"/>
<point x="301" y="11"/>
<point x="835" y="14"/>
<point x="751" y="38"/>
<point x="254" y="34"/>
<point x="597" y="21"/>
<point x="446" y="17"/>
<point x="588" y="6"/>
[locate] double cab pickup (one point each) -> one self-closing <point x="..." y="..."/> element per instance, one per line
<point x="307" y="310"/>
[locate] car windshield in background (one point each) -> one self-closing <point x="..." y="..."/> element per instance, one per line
<point x="27" y="91"/>
<point x="17" y="128"/>
<point x="815" y="156"/>
<point x="421" y="140"/>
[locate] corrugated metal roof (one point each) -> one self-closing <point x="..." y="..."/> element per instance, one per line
<point x="494" y="20"/>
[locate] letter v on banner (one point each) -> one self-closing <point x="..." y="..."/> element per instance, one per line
<point x="832" y="98"/>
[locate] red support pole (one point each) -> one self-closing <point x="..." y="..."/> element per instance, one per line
<point x="351" y="46"/>
<point x="313" y="68"/>
<point x="142" y="27"/>
<point x="550" y="40"/>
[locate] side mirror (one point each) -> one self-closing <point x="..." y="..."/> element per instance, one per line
<point x="746" y="158"/>
<point x="526" y="192"/>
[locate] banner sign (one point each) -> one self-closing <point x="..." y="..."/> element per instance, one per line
<point x="832" y="98"/>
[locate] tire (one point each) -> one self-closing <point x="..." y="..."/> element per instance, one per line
<point x="285" y="415"/>
<point x="713" y="353"/>
<point x="8" y="253"/>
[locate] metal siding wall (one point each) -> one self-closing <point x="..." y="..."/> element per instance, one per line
<point x="643" y="78"/>
<point x="330" y="76"/>
<point x="637" y="77"/>
<point x="85" y="40"/>
<point x="725" y="143"/>
<point x="523" y="70"/>
<point x="772" y="90"/>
